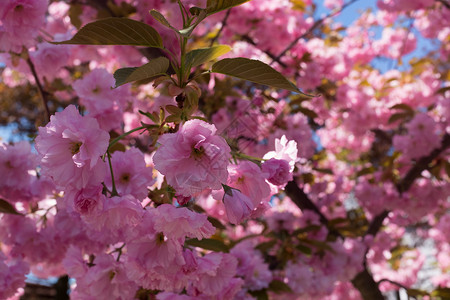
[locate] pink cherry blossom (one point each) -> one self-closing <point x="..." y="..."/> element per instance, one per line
<point x="17" y="161"/>
<point x="87" y="201"/>
<point x="248" y="178"/>
<point x="131" y="174"/>
<point x="12" y="276"/>
<point x="181" y="222"/>
<point x="237" y="206"/>
<point x="421" y="139"/>
<point x="100" y="99"/>
<point x="278" y="170"/>
<point x="70" y="147"/>
<point x="49" y="59"/>
<point x="20" y="23"/>
<point x="194" y="158"/>
<point x="215" y="272"/>
<point x="284" y="149"/>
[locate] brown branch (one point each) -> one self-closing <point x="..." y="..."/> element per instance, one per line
<point x="367" y="286"/>
<point x="407" y="181"/>
<point x="363" y="281"/>
<point x="376" y="223"/>
<point x="311" y="29"/>
<point x="42" y="92"/>
<point x="267" y="52"/>
<point x="445" y="3"/>
<point x="392" y="282"/>
<point x="421" y="165"/>
<point x="224" y="23"/>
<point x="299" y="197"/>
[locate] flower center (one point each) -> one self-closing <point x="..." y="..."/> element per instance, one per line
<point x="18" y="8"/>
<point x="198" y="153"/>
<point x="96" y="90"/>
<point x="160" y="238"/>
<point x="111" y="274"/>
<point x="9" y="165"/>
<point x="75" y="147"/>
<point x="125" y="178"/>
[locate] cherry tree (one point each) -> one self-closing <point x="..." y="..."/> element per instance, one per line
<point x="227" y="149"/>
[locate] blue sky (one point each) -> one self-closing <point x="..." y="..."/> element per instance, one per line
<point x="352" y="12"/>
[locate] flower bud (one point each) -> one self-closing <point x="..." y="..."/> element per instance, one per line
<point x="278" y="171"/>
<point x="237" y="206"/>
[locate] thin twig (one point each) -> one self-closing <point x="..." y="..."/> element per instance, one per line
<point x="267" y="52"/>
<point x="314" y="26"/>
<point x="421" y="165"/>
<point x="42" y="92"/>
<point x="392" y="282"/>
<point x="301" y="199"/>
<point x="224" y="23"/>
<point x="445" y="3"/>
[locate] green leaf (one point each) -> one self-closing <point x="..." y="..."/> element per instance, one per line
<point x="416" y="292"/>
<point x="318" y="244"/>
<point x="306" y="229"/>
<point x="7" y="208"/>
<point x="443" y="90"/>
<point x="116" y="31"/>
<point x="216" y="223"/>
<point x="403" y="106"/>
<point x="263" y="247"/>
<point x="195" y="10"/>
<point x="151" y="116"/>
<point x="254" y="71"/>
<point x="279" y="286"/>
<point x="259" y="294"/>
<point x="173" y="110"/>
<point x="200" y="56"/>
<point x="365" y="171"/>
<point x="447" y="168"/>
<point x="161" y="19"/>
<point x="75" y="11"/>
<point x="155" y="68"/>
<point x="306" y="111"/>
<point x="304" y="249"/>
<point x="443" y="292"/>
<point x="173" y="119"/>
<point x="214" y="6"/>
<point x="399" y="116"/>
<point x="191" y="102"/>
<point x="324" y="170"/>
<point x="208" y="244"/>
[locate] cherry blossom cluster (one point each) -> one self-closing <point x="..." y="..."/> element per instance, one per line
<point x="256" y="192"/>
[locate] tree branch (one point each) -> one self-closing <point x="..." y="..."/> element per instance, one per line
<point x="299" y="197"/>
<point x="311" y="29"/>
<point x="363" y="281"/>
<point x="365" y="284"/>
<point x="376" y="223"/>
<point x="408" y="180"/>
<point x="445" y="3"/>
<point x="42" y="92"/>
<point x="267" y="52"/>
<point x="224" y="23"/>
<point x="421" y="165"/>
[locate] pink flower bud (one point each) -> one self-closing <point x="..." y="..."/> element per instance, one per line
<point x="278" y="170"/>
<point x="174" y="90"/>
<point x="238" y="206"/>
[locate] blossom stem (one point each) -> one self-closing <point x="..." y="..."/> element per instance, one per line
<point x="124" y="135"/>
<point x="248" y="157"/>
<point x="42" y="93"/>
<point x="114" y="190"/>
